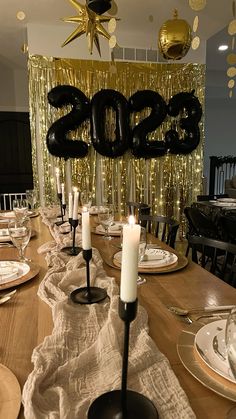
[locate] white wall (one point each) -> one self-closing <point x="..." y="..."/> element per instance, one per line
<point x="14" y="89"/>
<point x="47" y="40"/>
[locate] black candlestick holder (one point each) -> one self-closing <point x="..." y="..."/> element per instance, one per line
<point x="59" y="223"/>
<point x="72" y="250"/>
<point x="64" y="209"/>
<point x="88" y="295"/>
<point x="123" y="404"/>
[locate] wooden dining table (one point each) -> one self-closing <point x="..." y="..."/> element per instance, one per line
<point x="25" y="320"/>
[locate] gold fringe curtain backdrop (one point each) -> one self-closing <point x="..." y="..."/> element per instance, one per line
<point x="167" y="183"/>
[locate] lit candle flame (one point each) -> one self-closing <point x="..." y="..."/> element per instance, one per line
<point x="131" y="220"/>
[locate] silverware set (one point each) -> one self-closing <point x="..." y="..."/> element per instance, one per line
<point x="6" y="296"/>
<point x="201" y="313"/>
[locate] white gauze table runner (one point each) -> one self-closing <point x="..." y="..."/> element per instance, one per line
<point x="82" y="358"/>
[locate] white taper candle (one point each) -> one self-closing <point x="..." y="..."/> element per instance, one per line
<point x="75" y="206"/>
<point x="58" y="180"/>
<point x="129" y="264"/>
<point x="70" y="209"/>
<point x="86" y="232"/>
<point x="63" y="199"/>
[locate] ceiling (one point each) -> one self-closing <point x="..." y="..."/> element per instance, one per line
<point x="136" y="15"/>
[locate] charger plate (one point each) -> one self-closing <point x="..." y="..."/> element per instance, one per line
<point x="180" y="263"/>
<point x="10" y="394"/>
<point x="24" y="275"/>
<point x="193" y="362"/>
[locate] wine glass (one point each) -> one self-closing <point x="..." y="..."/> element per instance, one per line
<point x="230" y="341"/>
<point x="142" y="249"/>
<point x="30" y="197"/>
<point x="106" y="218"/>
<point x="86" y="199"/>
<point x="20" y="208"/>
<point x="20" y="232"/>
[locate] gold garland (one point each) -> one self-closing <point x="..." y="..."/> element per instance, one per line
<point x="167" y="183"/>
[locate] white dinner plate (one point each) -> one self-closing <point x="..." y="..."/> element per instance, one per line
<point x="163" y="258"/>
<point x="210" y="345"/>
<point x="10" y="270"/>
<point x="225" y="204"/>
<point x="226" y="200"/>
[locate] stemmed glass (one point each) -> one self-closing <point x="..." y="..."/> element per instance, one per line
<point x="106" y="218"/>
<point x="86" y="199"/>
<point x="20" y="208"/>
<point x="142" y="249"/>
<point x="20" y="232"/>
<point x="30" y="197"/>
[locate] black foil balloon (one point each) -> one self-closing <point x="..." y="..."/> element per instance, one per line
<point x="141" y="146"/>
<point x="101" y="101"/>
<point x="57" y="141"/>
<point x="184" y="101"/>
<point x="99" y="6"/>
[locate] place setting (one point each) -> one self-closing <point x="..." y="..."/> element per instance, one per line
<point x="208" y="352"/>
<point x="152" y="258"/>
<point x="15" y="272"/>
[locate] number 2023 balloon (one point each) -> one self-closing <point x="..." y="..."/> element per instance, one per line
<point x="126" y="138"/>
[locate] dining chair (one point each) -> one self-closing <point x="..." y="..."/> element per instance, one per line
<point x="138" y="208"/>
<point x="211" y="197"/>
<point x="227" y="224"/>
<point x="218" y="257"/>
<point x="165" y="228"/>
<point x="200" y="224"/>
<point x="6" y="199"/>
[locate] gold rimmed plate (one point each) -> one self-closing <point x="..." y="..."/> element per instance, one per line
<point x="192" y="361"/>
<point x="25" y="272"/>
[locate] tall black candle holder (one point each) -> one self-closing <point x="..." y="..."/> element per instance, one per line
<point x="88" y="294"/>
<point x="59" y="223"/>
<point x="123" y="404"/>
<point x="72" y="250"/>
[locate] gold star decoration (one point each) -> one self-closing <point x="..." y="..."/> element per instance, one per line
<point x="89" y="23"/>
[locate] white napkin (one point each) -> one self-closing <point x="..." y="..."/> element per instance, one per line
<point x="154" y="254"/>
<point x="116" y="227"/>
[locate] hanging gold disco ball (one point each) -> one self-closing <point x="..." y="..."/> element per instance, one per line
<point x="175" y="38"/>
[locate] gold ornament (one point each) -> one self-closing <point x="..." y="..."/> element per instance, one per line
<point x="90" y="24"/>
<point x="232" y="27"/>
<point x="195" y="24"/>
<point x="231" y="84"/>
<point x="231" y="59"/>
<point x="175" y="38"/>
<point x="195" y="42"/>
<point x="197" y="4"/>
<point x="231" y="72"/>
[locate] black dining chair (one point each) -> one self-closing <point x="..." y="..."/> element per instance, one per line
<point x="200" y="224"/>
<point x="216" y="256"/>
<point x="227" y="224"/>
<point x="137" y="209"/>
<point x="164" y="228"/>
<point x="211" y="197"/>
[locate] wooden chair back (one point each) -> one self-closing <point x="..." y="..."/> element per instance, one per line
<point x="217" y="256"/>
<point x="164" y="228"/>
